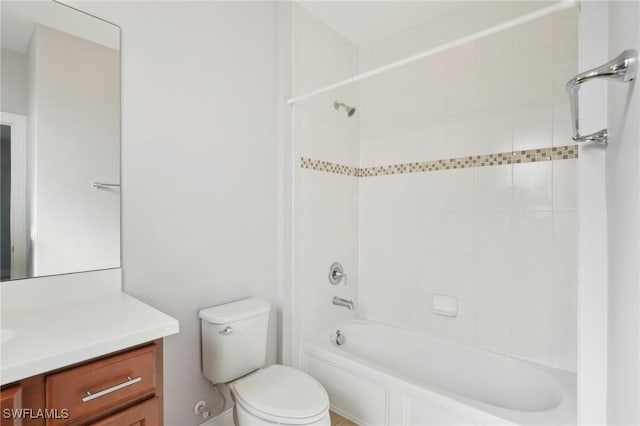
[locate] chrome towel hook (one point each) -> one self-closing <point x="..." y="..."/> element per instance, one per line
<point x="622" y="68"/>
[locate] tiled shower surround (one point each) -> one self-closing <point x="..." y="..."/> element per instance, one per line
<point x="502" y="238"/>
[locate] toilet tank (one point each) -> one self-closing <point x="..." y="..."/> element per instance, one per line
<point x="234" y="339"/>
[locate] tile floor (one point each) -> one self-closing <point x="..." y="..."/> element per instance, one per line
<point x="338" y="420"/>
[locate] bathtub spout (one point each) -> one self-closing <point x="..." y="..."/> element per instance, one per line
<point x="339" y="301"/>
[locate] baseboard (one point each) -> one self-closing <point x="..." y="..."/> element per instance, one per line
<point x="223" y="419"/>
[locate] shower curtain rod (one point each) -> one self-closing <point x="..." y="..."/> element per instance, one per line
<point x="562" y="5"/>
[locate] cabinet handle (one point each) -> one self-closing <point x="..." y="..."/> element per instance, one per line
<point x="103" y="392"/>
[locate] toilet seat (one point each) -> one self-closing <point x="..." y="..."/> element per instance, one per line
<point x="282" y="394"/>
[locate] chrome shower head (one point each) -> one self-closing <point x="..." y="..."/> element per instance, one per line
<point x="350" y="110"/>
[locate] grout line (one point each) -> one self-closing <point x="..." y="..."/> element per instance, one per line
<point x="502" y="158"/>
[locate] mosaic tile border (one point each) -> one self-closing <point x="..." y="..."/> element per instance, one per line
<point x="502" y="158"/>
<point x="326" y="166"/>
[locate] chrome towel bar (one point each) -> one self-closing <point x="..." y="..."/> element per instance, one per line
<point x="622" y="68"/>
<point x="99" y="185"/>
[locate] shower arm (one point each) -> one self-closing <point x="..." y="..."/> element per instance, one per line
<point x="622" y="69"/>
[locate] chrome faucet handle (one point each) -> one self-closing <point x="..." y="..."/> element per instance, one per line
<point x="337" y="274"/>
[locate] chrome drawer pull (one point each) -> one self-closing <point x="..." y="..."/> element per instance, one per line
<point x="129" y="382"/>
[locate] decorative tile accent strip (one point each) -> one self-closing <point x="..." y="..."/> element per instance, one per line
<point x="326" y="166"/>
<point x="515" y="157"/>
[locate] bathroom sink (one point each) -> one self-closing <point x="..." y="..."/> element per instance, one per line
<point x="6" y="335"/>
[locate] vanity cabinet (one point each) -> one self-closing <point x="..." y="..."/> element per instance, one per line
<point x="122" y="388"/>
<point x="26" y="393"/>
<point x="10" y="399"/>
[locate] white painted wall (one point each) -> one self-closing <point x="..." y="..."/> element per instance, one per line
<point x="285" y="183"/>
<point x="592" y="288"/>
<point x="199" y="165"/>
<point x="326" y="215"/>
<point x="502" y="239"/>
<point x="623" y="207"/>
<point x="13" y="100"/>
<point x="32" y="155"/>
<point x="75" y="121"/>
<point x="14" y="82"/>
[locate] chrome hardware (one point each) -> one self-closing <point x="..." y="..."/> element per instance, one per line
<point x="100" y="185"/>
<point x="106" y="391"/>
<point x="336" y="274"/>
<point x="623" y="69"/>
<point x="350" y="110"/>
<point x="339" y="339"/>
<point x="226" y="330"/>
<point x="339" y="301"/>
<point x="201" y="409"/>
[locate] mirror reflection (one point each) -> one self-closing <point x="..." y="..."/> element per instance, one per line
<point x="60" y="152"/>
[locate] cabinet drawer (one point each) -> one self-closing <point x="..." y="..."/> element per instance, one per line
<point x="143" y="414"/>
<point x="103" y="384"/>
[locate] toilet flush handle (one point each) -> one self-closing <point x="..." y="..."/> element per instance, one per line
<point x="226" y="330"/>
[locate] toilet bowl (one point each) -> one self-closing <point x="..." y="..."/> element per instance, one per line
<point x="280" y="395"/>
<point x="234" y="344"/>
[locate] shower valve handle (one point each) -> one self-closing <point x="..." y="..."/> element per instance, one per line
<point x="337" y="274"/>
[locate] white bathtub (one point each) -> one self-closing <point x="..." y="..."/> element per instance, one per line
<point x="383" y="375"/>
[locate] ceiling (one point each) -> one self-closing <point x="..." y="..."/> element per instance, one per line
<point x="362" y="22"/>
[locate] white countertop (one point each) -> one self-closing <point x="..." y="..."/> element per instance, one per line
<point x="52" y="335"/>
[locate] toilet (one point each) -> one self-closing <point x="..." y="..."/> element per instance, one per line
<point x="234" y="348"/>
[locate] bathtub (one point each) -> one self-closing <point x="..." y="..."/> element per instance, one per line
<point x="383" y="375"/>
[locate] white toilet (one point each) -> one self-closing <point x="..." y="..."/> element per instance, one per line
<point x="234" y="346"/>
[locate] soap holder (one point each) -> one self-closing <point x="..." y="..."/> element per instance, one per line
<point x="445" y="305"/>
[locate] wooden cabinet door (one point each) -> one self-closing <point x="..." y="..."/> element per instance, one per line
<point x="146" y="413"/>
<point x="11" y="399"/>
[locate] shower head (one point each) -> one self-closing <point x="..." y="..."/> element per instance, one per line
<point x="350" y="110"/>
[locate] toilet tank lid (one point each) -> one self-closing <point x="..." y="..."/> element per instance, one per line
<point x="235" y="311"/>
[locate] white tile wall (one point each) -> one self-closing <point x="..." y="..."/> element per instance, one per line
<point x="328" y="233"/>
<point x="320" y="55"/>
<point x="502" y="239"/>
<point x="493" y="327"/>
<point x="326" y="210"/>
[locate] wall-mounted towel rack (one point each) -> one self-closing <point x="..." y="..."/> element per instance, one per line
<point x="622" y="68"/>
<point x="99" y="185"/>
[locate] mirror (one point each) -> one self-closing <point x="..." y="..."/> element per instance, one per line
<point x="60" y="153"/>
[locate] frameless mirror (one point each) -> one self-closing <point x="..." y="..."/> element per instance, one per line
<point x="60" y="153"/>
